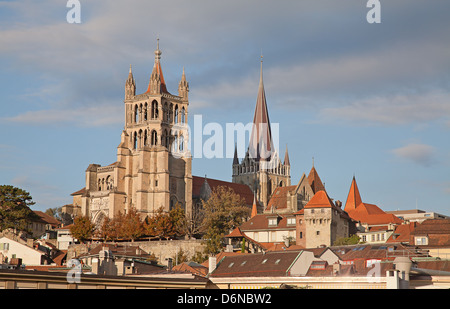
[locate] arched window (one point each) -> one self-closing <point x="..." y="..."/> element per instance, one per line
<point x="135" y="140"/>
<point x="167" y="138"/>
<point x="176" y="114"/>
<point x="183" y="115"/>
<point x="145" y="111"/>
<point x="154" y="110"/>
<point x="165" y="113"/>
<point x="175" y="144"/>
<point x="181" y="143"/>
<point x="99" y="185"/>
<point x="145" y="138"/>
<point x="154" y="138"/>
<point x="170" y="120"/>
<point x="135" y="117"/>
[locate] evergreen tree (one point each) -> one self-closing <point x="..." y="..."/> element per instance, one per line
<point x="15" y="212"/>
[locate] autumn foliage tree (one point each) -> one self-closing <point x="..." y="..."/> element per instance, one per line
<point x="83" y="228"/>
<point x="223" y="211"/>
<point x="166" y="224"/>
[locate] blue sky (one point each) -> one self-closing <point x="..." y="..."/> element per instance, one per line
<point x="370" y="100"/>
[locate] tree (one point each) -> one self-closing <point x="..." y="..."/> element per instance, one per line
<point x="82" y="228"/>
<point x="15" y="212"/>
<point x="345" y="241"/>
<point x="131" y="226"/>
<point x="57" y="213"/>
<point x="166" y="224"/>
<point x="223" y="211"/>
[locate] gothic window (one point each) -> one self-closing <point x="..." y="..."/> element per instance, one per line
<point x="165" y="113"/>
<point x="154" y="138"/>
<point x="99" y="185"/>
<point x="170" y="120"/>
<point x="140" y="113"/>
<point x="183" y="115"/>
<point x="145" y="138"/>
<point x="135" y="140"/>
<point x="135" y="117"/>
<point x="175" y="144"/>
<point x="163" y="138"/>
<point x="145" y="111"/>
<point x="176" y="114"/>
<point x="181" y="143"/>
<point x="167" y="138"/>
<point x="154" y="110"/>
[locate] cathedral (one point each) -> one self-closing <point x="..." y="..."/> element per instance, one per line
<point x="154" y="166"/>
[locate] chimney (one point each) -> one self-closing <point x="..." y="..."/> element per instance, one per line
<point x="212" y="264"/>
<point x="336" y="268"/>
<point x="403" y="265"/>
<point x="169" y="264"/>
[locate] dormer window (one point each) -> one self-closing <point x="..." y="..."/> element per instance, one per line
<point x="291" y="221"/>
<point x="421" y="240"/>
<point x="273" y="221"/>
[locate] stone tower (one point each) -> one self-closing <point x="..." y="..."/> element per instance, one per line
<point x="261" y="169"/>
<point x="153" y="167"/>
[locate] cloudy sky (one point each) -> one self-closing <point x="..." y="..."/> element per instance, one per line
<point x="370" y="100"/>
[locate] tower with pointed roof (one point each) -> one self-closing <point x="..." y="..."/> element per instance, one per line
<point x="153" y="167"/>
<point x="262" y="169"/>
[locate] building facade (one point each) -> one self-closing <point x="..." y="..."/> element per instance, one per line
<point x="153" y="167"/>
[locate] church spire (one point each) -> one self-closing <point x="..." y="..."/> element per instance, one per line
<point x="157" y="83"/>
<point x="260" y="146"/>
<point x="353" y="198"/>
<point x="183" y="86"/>
<point x="130" y="86"/>
<point x="286" y="157"/>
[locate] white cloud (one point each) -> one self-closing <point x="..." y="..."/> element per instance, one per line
<point x="392" y="110"/>
<point x="418" y="153"/>
<point x="100" y="115"/>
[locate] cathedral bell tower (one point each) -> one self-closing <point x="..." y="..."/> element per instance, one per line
<point x="261" y="169"/>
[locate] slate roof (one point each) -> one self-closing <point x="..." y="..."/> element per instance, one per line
<point x="256" y="265"/>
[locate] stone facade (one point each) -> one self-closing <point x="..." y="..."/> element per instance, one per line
<point x="153" y="167"/>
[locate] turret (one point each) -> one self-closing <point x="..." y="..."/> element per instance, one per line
<point x="183" y="87"/>
<point x="130" y="86"/>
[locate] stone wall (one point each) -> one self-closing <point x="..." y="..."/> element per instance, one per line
<point x="162" y="249"/>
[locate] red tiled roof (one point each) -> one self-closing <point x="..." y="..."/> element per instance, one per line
<point x="241" y="189"/>
<point x="314" y="181"/>
<point x="279" y="198"/>
<point x="402" y="233"/>
<point x="353" y="198"/>
<point x="261" y="222"/>
<point x="372" y="214"/>
<point x="80" y="192"/>
<point x="320" y="199"/>
<point x="47" y="218"/>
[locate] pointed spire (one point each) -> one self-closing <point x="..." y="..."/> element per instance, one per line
<point x="130" y="86"/>
<point x="353" y="198"/>
<point x="157" y="83"/>
<point x="254" y="208"/>
<point x="261" y="146"/>
<point x="183" y="86"/>
<point x="286" y="157"/>
<point x="314" y="181"/>
<point x="235" y="159"/>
